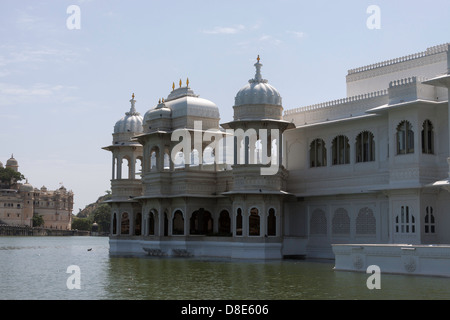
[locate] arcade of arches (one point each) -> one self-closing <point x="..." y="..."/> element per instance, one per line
<point x="200" y="222"/>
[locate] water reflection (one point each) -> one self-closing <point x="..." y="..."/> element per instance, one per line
<point x="190" y="278"/>
<point x="35" y="268"/>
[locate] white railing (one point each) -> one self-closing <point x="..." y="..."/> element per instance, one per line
<point x="430" y="51"/>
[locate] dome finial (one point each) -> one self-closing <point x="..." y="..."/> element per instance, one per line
<point x="180" y="83"/>
<point x="173" y="86"/>
<point x="258" y="66"/>
<point x="187" y="82"/>
<point x="132" y="108"/>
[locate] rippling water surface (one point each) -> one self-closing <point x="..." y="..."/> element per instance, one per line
<point x="35" y="268"/>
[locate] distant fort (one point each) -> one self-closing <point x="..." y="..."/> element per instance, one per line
<point x="19" y="202"/>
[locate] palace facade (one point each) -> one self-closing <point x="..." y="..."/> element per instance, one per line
<point x="370" y="168"/>
<point x="19" y="202"/>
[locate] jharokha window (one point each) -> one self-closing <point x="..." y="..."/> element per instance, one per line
<point x="253" y="222"/>
<point x="405" y="221"/>
<point x="405" y="138"/>
<point x="365" y="147"/>
<point x="340" y="150"/>
<point x="317" y="154"/>
<point x="429" y="221"/>
<point x="239" y="222"/>
<point x="427" y="137"/>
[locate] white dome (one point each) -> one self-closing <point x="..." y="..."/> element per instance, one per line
<point x="258" y="91"/>
<point x="131" y="123"/>
<point x="183" y="102"/>
<point x="180" y="110"/>
<point x="11" y="162"/>
<point x="158" y="112"/>
<point x="26" y="187"/>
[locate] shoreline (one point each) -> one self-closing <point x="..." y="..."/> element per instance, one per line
<point x="7" y="230"/>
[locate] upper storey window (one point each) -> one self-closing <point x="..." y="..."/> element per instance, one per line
<point x="365" y="147"/>
<point x="317" y="154"/>
<point x="341" y="150"/>
<point x="427" y="137"/>
<point x="405" y="138"/>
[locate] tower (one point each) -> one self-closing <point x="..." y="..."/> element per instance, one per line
<point x="12" y="163"/>
<point x="124" y="184"/>
<point x="443" y="81"/>
<point x="258" y="173"/>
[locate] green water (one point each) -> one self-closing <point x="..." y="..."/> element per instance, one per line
<point x="35" y="268"/>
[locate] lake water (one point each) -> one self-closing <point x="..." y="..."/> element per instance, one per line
<point x="36" y="268"/>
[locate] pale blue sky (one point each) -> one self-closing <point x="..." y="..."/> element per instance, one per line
<point x="61" y="90"/>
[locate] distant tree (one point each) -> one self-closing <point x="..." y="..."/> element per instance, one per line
<point x="8" y="176"/>
<point x="81" y="224"/>
<point x="38" y="220"/>
<point x="102" y="215"/>
<point x="83" y="213"/>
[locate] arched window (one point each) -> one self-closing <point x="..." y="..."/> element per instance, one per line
<point x="317" y="154"/>
<point x="179" y="162"/>
<point x="137" y="224"/>
<point x="114" y="223"/>
<point x="239" y="222"/>
<point x="318" y="223"/>
<point x="365" y="147"/>
<point x="151" y="223"/>
<point x="271" y="223"/>
<point x="153" y="161"/>
<point x="405" y="138"/>
<point x="125" y="225"/>
<point x="429" y="220"/>
<point x="166" y="161"/>
<point x="405" y="221"/>
<point x="138" y="166"/>
<point x="166" y="225"/>
<point x="340" y="150"/>
<point x="340" y="223"/>
<point x="224" y="223"/>
<point x="178" y="223"/>
<point x="253" y="222"/>
<point x="125" y="168"/>
<point x="201" y="222"/>
<point x="427" y="137"/>
<point x="194" y="158"/>
<point x="365" y="222"/>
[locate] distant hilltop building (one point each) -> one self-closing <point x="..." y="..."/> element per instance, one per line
<point x="370" y="168"/>
<point x="19" y="202"/>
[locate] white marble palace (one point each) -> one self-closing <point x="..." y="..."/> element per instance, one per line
<point x="370" y="168"/>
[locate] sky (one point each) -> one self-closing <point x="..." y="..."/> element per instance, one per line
<point x="66" y="77"/>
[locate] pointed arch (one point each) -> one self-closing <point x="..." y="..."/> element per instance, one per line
<point x="405" y="138"/>
<point x="178" y="223"/>
<point x="317" y="154"/>
<point x="224" y="222"/>
<point x="271" y="223"/>
<point x="138" y="224"/>
<point x="125" y="223"/>
<point x="340" y="150"/>
<point x="427" y="137"/>
<point x="254" y="222"/>
<point x="365" y="147"/>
